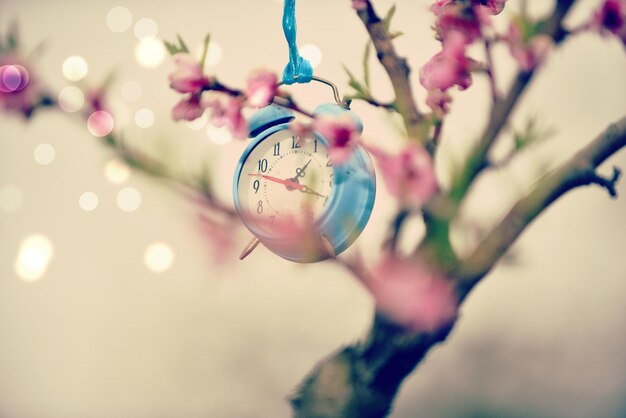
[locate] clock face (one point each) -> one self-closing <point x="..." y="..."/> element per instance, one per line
<point x="285" y="178"/>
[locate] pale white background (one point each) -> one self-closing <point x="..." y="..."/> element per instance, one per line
<point x="100" y="335"/>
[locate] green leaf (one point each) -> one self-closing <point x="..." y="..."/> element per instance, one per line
<point x="205" y="49"/>
<point x="175" y="49"/>
<point x="366" y="64"/>
<point x="352" y="82"/>
<point x="388" y="17"/>
<point x="530" y="134"/>
<point x="171" y="48"/>
<point x="183" y="47"/>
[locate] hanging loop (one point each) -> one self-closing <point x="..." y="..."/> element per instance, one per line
<point x="298" y="69"/>
<point x="343" y="103"/>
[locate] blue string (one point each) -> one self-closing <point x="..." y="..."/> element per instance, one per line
<point x="298" y="69"/>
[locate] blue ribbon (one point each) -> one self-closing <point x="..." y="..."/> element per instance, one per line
<point x="298" y="69"/>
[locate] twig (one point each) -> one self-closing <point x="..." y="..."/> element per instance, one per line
<point x="495" y="96"/>
<point x="374" y="102"/>
<point x="580" y="170"/>
<point x="501" y="112"/>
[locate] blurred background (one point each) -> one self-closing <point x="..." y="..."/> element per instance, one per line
<point x="131" y="316"/>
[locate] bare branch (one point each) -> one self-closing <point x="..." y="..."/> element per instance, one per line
<point x="580" y="170"/>
<point x="396" y="67"/>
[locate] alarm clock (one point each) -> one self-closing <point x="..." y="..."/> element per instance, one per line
<point x="284" y="179"/>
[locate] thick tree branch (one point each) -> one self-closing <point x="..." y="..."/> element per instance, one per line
<point x="580" y="170"/>
<point x="361" y="380"/>
<point x="396" y="67"/>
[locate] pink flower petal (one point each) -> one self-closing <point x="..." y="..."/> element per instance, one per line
<point x="412" y="295"/>
<point x="408" y="175"/>
<point x="261" y="88"/>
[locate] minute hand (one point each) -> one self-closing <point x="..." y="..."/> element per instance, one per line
<point x="306" y="189"/>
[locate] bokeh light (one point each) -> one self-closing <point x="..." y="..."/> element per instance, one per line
<point x="71" y="99"/>
<point x="146" y="28"/>
<point x="144" y="118"/>
<point x="150" y="52"/>
<point x="75" y="68"/>
<point x="11" y="198"/>
<point x="131" y="90"/>
<point x="13" y="78"/>
<point x="44" y="154"/>
<point x="100" y="123"/>
<point x="116" y="171"/>
<point x="119" y="19"/>
<point x="312" y="53"/>
<point x="88" y="201"/>
<point x="158" y="257"/>
<point x="221" y="135"/>
<point x="129" y="199"/>
<point x="33" y="257"/>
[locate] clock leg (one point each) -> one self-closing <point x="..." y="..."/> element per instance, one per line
<point x="328" y="246"/>
<point x="249" y="248"/>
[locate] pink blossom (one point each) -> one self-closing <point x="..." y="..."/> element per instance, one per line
<point x="611" y="18"/>
<point x="188" y="77"/>
<point x="359" y="4"/>
<point x="95" y="98"/>
<point x="448" y="67"/>
<point x="412" y="295"/>
<point x="527" y="51"/>
<point x="494" y="6"/>
<point x="188" y="109"/>
<point x="261" y="88"/>
<point x="230" y="115"/>
<point x="19" y="89"/>
<point x="462" y="17"/>
<point x="439" y="102"/>
<point x="342" y="133"/>
<point x="408" y="175"/>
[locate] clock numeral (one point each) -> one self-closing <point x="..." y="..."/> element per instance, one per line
<point x="263" y="165"/>
<point x="277" y="149"/>
<point x="259" y="207"/>
<point x="272" y="219"/>
<point x="295" y="142"/>
<point x="332" y="179"/>
<point x="329" y="164"/>
<point x="315" y="146"/>
<point x="256" y="185"/>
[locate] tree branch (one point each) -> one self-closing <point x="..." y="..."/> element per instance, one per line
<point x="502" y="109"/>
<point x="580" y="170"/>
<point x="361" y="380"/>
<point x="396" y="67"/>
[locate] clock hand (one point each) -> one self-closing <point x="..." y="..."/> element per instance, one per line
<point x="307" y="189"/>
<point x="300" y="171"/>
<point x="289" y="184"/>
